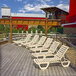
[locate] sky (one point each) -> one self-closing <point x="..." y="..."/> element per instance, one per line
<point x="33" y="6"/>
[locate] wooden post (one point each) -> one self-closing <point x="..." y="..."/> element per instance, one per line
<point x="10" y="30"/>
<point x="46" y="26"/>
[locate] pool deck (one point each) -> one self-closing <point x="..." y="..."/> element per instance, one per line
<point x="17" y="61"/>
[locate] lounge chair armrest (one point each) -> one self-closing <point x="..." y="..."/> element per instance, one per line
<point x="38" y="46"/>
<point x="48" y="56"/>
<point x="51" y="55"/>
<point x="43" y="50"/>
<point x="24" y="42"/>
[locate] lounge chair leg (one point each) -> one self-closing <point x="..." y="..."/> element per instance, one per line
<point x="45" y="67"/>
<point x="65" y="63"/>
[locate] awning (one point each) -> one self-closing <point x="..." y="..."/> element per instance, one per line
<point x="69" y="24"/>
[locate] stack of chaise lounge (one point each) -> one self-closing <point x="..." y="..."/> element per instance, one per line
<point x="45" y="51"/>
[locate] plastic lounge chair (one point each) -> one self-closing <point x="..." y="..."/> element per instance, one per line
<point x="57" y="58"/>
<point x="45" y="46"/>
<point x="36" y="32"/>
<point x="25" y="40"/>
<point x="31" y="32"/>
<point x="40" y="42"/>
<point x="34" y="40"/>
<point x="51" y="50"/>
<point x="26" y="33"/>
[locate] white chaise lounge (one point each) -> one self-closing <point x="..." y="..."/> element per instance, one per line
<point x="57" y="58"/>
<point x="27" y="39"/>
<point x="33" y="41"/>
<point x="45" y="46"/>
<point x="39" y="43"/>
<point x="46" y="52"/>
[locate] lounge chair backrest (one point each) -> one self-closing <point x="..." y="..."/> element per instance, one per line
<point x="61" y="52"/>
<point x="26" y="33"/>
<point x="28" y="37"/>
<point x="31" y="32"/>
<point x="40" y="32"/>
<point x="54" y="46"/>
<point x="49" y="40"/>
<point x="36" y="32"/>
<point x="47" y="43"/>
<point x="42" y="40"/>
<point x="35" y="39"/>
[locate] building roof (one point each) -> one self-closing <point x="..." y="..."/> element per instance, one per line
<point x="50" y="9"/>
<point x="6" y="7"/>
<point x="69" y="24"/>
<point x="27" y="15"/>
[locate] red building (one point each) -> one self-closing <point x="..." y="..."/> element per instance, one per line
<point x="70" y="28"/>
<point x="72" y="11"/>
<point x="6" y="13"/>
<point x="26" y="16"/>
<point x="53" y="13"/>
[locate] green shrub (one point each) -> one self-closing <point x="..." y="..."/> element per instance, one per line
<point x="20" y="30"/>
<point x="53" y="29"/>
<point x="14" y="30"/>
<point x="33" y="30"/>
<point x="48" y="30"/>
<point x="29" y="30"/>
<point x="60" y="30"/>
<point x="2" y="28"/>
<point x="40" y="27"/>
<point x="6" y="30"/>
<point x="38" y="30"/>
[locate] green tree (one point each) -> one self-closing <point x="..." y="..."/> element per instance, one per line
<point x="6" y="29"/>
<point x="54" y="29"/>
<point x="2" y="28"/>
<point x="40" y="27"/>
<point x="48" y="31"/>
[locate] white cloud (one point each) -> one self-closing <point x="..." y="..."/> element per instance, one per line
<point x="33" y="8"/>
<point x="44" y="1"/>
<point x="4" y="5"/>
<point x="21" y="10"/>
<point x="64" y="7"/>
